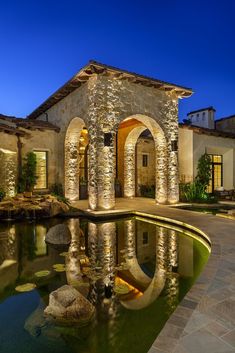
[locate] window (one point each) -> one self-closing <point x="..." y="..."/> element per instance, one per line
<point x="203" y="116"/>
<point x="216" y="172"/>
<point x="145" y="238"/>
<point x="145" y="160"/>
<point x="41" y="169"/>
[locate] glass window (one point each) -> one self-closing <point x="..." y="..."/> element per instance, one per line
<point x="216" y="180"/>
<point x="145" y="160"/>
<point x="41" y="169"/>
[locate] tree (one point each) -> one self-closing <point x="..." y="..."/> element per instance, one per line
<point x="204" y="170"/>
<point x="28" y="178"/>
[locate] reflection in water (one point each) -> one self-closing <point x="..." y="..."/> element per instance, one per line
<point x="122" y="267"/>
<point x="172" y="282"/>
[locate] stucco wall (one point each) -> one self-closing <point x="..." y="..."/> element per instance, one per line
<point x="193" y="145"/>
<point x="185" y="155"/>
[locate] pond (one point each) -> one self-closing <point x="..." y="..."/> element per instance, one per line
<point x="154" y="264"/>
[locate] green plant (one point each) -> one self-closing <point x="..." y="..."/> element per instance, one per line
<point x="28" y="177"/>
<point x="2" y="194"/>
<point x="204" y="170"/>
<point x="147" y="191"/>
<point x="57" y="189"/>
<point x="196" y="191"/>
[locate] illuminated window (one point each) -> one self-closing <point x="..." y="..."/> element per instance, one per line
<point x="41" y="169"/>
<point x="145" y="160"/>
<point x="216" y="180"/>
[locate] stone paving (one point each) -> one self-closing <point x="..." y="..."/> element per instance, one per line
<point x="204" y="321"/>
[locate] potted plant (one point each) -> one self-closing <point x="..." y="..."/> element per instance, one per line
<point x="29" y="177"/>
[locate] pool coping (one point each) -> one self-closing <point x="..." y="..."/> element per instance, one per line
<point x="203" y="315"/>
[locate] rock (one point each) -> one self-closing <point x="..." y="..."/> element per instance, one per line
<point x="59" y="234"/>
<point x="67" y="306"/>
<point x="58" y="207"/>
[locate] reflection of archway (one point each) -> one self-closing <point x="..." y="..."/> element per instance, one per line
<point x="76" y="141"/>
<point x="136" y="125"/>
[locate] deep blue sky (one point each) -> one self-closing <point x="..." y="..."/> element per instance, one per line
<point x="45" y="42"/>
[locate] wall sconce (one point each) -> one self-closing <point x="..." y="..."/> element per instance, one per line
<point x="108" y="137"/>
<point x="174" y="145"/>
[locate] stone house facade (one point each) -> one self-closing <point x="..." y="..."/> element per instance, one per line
<point x="91" y="131"/>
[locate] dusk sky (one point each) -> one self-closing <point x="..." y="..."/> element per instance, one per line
<point x="190" y="43"/>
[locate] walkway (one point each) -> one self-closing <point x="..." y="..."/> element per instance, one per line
<point x="204" y="322"/>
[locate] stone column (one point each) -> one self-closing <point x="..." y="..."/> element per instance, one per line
<point x="130" y="162"/>
<point x="102" y="120"/>
<point x="172" y="149"/>
<point x="72" y="166"/>
<point x="129" y="170"/>
<point x="106" y="171"/>
<point x="161" y="170"/>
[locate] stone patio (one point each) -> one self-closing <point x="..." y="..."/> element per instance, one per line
<point x="204" y="321"/>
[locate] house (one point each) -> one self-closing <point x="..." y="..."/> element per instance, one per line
<point x="108" y="126"/>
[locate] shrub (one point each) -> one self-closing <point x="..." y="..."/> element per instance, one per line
<point x="147" y="191"/>
<point x="57" y="191"/>
<point x="204" y="170"/>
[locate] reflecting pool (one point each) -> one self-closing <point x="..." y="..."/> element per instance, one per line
<point x="133" y="271"/>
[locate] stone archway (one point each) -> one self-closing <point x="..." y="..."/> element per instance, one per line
<point x="76" y="139"/>
<point x="161" y="165"/>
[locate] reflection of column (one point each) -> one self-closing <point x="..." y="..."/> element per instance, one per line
<point x="172" y="282"/>
<point x="129" y="170"/>
<point x="73" y="270"/>
<point x="130" y="238"/>
<point x="161" y="169"/>
<point x="161" y="248"/>
<point x="173" y="249"/>
<point x="101" y="245"/>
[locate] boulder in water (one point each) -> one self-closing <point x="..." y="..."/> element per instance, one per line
<point x="67" y="307"/>
<point x="59" y="235"/>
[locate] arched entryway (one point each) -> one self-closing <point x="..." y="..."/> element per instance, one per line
<point x="129" y="132"/>
<point x="76" y="160"/>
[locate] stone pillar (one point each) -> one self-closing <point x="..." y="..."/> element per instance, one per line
<point x="72" y="166"/>
<point x="130" y="161"/>
<point x="172" y="147"/>
<point x="101" y="171"/>
<point x="173" y="177"/>
<point x="161" y="170"/>
<point x="106" y="171"/>
<point x="129" y="170"/>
